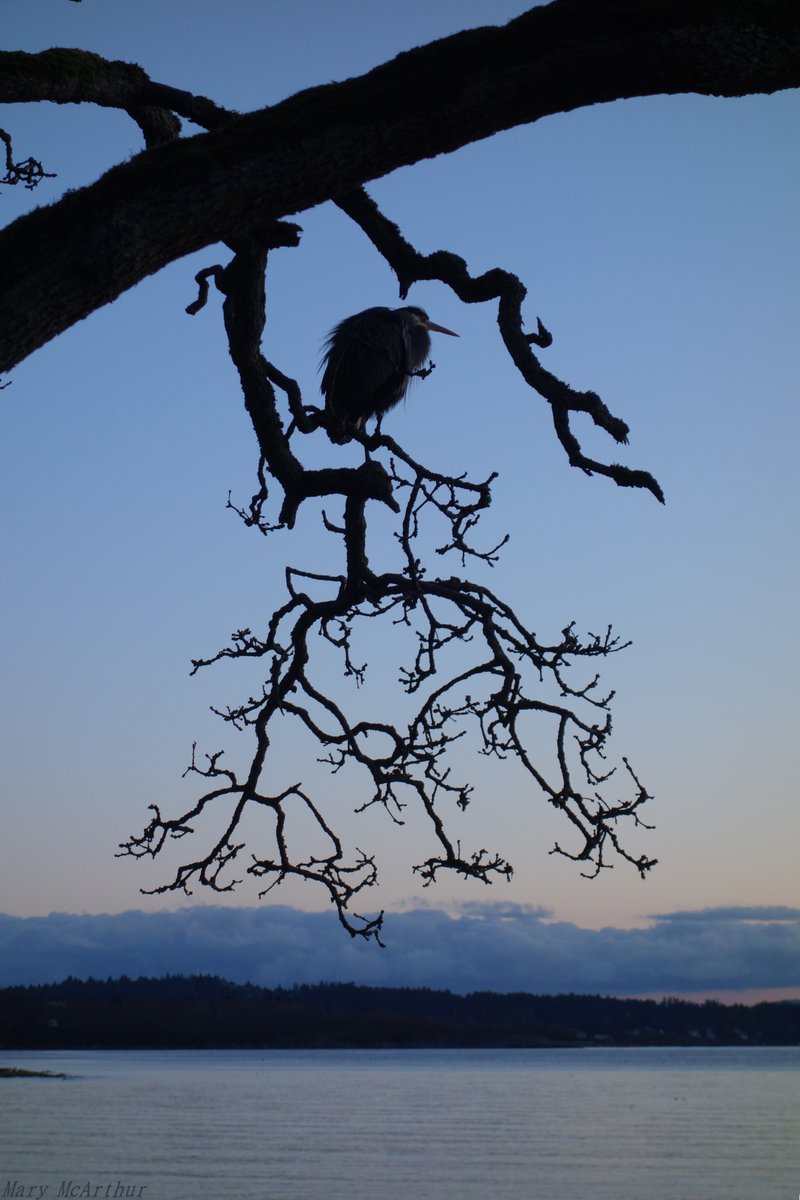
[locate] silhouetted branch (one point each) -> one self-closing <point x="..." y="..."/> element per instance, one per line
<point x="180" y="196"/>
<point x="29" y="172"/>
<point x="476" y="674"/>
<point x="411" y="267"/>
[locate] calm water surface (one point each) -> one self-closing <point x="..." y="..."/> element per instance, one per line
<point x="595" y="1123"/>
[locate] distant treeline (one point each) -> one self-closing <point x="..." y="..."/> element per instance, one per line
<point x="203" y="1011"/>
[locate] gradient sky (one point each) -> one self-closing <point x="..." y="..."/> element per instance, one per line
<point x="658" y="241"/>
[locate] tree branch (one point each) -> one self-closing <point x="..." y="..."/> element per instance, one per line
<point x="410" y="266"/>
<point x="62" y="262"/>
<point x="475" y="667"/>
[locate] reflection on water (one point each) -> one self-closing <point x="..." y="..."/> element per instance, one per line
<point x="635" y="1124"/>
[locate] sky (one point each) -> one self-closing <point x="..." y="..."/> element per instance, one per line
<point x="658" y="242"/>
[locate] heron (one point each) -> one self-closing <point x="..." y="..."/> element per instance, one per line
<point x="370" y="359"/>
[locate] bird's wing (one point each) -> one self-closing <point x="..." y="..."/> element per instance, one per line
<point x="364" y="364"/>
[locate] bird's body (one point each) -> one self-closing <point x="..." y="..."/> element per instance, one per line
<point x="370" y="360"/>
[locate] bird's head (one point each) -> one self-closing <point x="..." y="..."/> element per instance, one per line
<point x="418" y="318"/>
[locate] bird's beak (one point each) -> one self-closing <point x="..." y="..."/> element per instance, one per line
<point x="440" y="329"/>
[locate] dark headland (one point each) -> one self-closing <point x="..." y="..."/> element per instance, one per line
<point x="205" y="1012"/>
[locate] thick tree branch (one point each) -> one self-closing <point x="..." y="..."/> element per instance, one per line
<point x="71" y="76"/>
<point x="62" y="262"/>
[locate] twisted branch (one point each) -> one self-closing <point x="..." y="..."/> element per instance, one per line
<point x="29" y="172"/>
<point x="411" y="267"/>
<point x="475" y="671"/>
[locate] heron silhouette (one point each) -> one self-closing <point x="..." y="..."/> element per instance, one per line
<point x="370" y="359"/>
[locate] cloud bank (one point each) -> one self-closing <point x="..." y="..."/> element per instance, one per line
<point x="503" y="948"/>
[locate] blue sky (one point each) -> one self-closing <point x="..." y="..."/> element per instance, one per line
<point x="658" y="242"/>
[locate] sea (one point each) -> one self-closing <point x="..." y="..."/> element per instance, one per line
<point x="590" y="1123"/>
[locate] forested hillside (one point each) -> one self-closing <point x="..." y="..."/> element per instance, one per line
<point x="205" y="1011"/>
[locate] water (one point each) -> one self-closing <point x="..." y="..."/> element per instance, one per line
<point x="600" y="1123"/>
